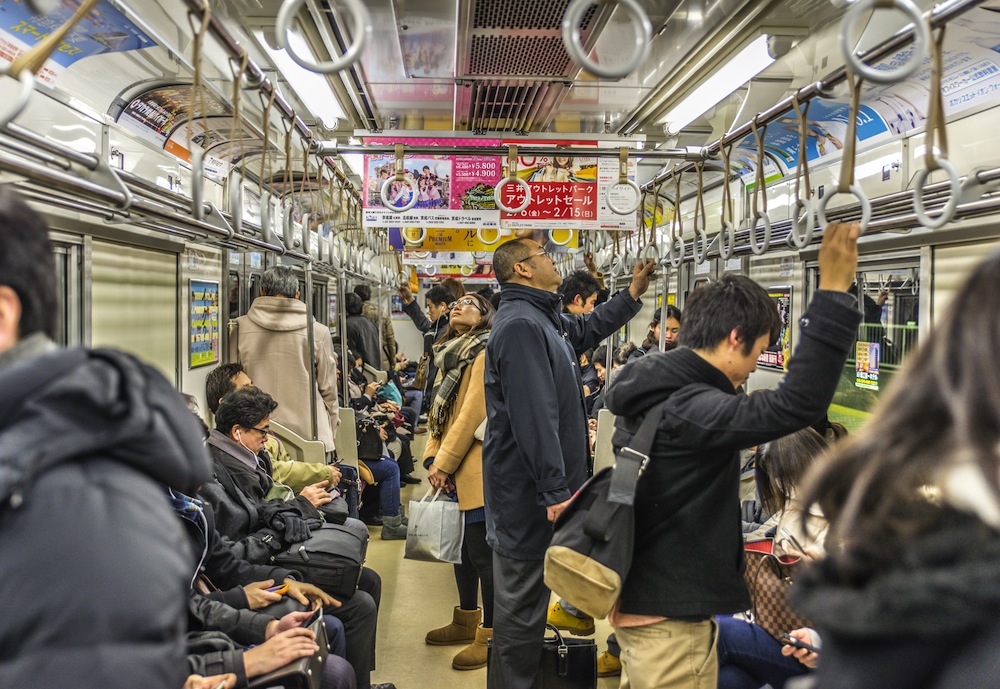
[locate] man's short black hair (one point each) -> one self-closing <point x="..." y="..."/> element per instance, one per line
<point x="354" y="304"/>
<point x="579" y="282"/>
<point x="439" y="295"/>
<point x="734" y="302"/>
<point x="363" y="291"/>
<point x="245" y="407"/>
<point x="672" y="312"/>
<point x="506" y="256"/>
<point x="219" y="383"/>
<point x="27" y="265"/>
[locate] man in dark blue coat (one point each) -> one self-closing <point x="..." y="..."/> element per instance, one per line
<point x="535" y="455"/>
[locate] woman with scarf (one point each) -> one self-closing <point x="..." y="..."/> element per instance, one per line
<point x="454" y="456"/>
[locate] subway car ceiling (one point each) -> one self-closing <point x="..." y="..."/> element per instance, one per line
<point x="184" y="122"/>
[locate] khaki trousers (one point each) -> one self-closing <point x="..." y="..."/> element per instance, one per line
<point x="670" y="654"/>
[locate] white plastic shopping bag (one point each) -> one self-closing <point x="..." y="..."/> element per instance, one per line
<point x="435" y="530"/>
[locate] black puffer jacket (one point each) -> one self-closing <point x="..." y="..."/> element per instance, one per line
<point x="688" y="558"/>
<point x="926" y="618"/>
<point x="432" y="331"/>
<point x="536" y="448"/>
<point x="94" y="566"/>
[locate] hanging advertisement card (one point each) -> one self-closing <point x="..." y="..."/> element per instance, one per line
<point x="866" y="365"/>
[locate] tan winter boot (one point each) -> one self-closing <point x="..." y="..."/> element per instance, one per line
<point x="473" y="656"/>
<point x="462" y="629"/>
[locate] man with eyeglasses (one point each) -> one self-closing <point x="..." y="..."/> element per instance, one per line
<point x="535" y="455"/>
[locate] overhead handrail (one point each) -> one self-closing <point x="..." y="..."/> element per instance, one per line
<point x="361" y="32"/>
<point x="802" y="222"/>
<point x="572" y="36"/>
<point x="700" y="219"/>
<point x="675" y="237"/>
<point x="623" y="180"/>
<point x="936" y="132"/>
<point x="197" y="107"/>
<point x="759" y="188"/>
<point x="236" y="185"/>
<point x="846" y="184"/>
<point x="399" y="178"/>
<point x="727" y="231"/>
<point x="921" y="39"/>
<point x="510" y="176"/>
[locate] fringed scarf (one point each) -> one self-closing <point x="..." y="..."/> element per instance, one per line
<point x="451" y="358"/>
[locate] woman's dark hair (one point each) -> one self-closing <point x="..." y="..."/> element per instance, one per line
<point x="26" y="265"/>
<point x="781" y="464"/>
<point x="363" y="291"/>
<point x="354" y="304"/>
<point x="623" y="352"/>
<point x="485" y="323"/>
<point x="734" y="302"/>
<point x="942" y="409"/>
<point x="245" y="407"/>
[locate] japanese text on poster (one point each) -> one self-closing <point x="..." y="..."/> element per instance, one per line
<point x="866" y="365"/>
<point x="204" y="314"/>
<point x="776" y="356"/>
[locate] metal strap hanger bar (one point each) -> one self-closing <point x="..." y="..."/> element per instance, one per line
<point x="685" y="153"/>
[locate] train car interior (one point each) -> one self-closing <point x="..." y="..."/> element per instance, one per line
<point x="178" y="149"/>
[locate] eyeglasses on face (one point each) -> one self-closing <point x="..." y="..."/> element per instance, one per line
<point x="264" y="432"/>
<point x="465" y="301"/>
<point x="542" y="252"/>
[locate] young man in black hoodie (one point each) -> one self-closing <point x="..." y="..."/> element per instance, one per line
<point x="688" y="559"/>
<point x="536" y="451"/>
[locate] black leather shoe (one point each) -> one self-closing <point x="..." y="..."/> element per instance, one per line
<point x="385" y="685"/>
<point x="412" y="480"/>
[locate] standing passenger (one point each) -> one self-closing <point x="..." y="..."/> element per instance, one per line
<point x="270" y="341"/>
<point x="370" y="311"/>
<point x="536" y="451"/>
<point x="688" y="558"/>
<point x="432" y="326"/>
<point x="94" y="569"/>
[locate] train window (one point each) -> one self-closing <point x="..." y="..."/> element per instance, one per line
<point x="254" y="287"/>
<point x="234" y="294"/>
<point x="69" y="330"/>
<point x="890" y="300"/>
<point x="319" y="303"/>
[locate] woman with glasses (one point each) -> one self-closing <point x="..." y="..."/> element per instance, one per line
<point x="454" y="456"/>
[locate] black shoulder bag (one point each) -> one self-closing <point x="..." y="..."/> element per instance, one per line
<point x="591" y="551"/>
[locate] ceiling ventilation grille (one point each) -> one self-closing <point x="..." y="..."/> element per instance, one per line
<point x="531" y="15"/>
<point x="518" y="56"/>
<point x="504" y="106"/>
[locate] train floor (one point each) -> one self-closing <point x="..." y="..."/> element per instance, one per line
<point x="417" y="597"/>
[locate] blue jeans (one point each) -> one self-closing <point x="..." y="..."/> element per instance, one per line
<point x="386" y="474"/>
<point x="414" y="399"/>
<point x="749" y="657"/>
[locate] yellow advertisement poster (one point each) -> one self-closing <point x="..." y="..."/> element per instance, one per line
<point x="203" y="337"/>
<point x="481" y="240"/>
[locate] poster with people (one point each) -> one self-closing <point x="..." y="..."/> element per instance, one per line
<point x="452" y="191"/>
<point x="867" y="356"/>
<point x="203" y="336"/>
<point x="776" y="356"/>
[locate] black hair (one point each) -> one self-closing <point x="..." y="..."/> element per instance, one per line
<point x="600" y="354"/>
<point x="363" y="291"/>
<point x="781" y="464"/>
<point x="672" y="312"/>
<point x="623" y="352"/>
<point x="589" y="353"/>
<point x="245" y="407"/>
<point x="486" y="311"/>
<point x="219" y="383"/>
<point x="579" y="282"/>
<point x="505" y="257"/>
<point x="439" y="295"/>
<point x="734" y="302"/>
<point x="26" y="265"/>
<point x="354" y="304"/>
<point x="486" y="291"/>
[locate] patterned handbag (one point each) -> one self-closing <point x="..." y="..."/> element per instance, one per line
<point x="769" y="579"/>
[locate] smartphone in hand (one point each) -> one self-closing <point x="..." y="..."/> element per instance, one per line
<point x="798" y="643"/>
<point x="313" y="619"/>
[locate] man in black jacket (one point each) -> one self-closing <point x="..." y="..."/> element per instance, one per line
<point x="436" y="300"/>
<point x="94" y="568"/>
<point x="688" y="559"/>
<point x="535" y="455"/>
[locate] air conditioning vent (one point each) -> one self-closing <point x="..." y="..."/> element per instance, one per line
<point x="537" y="15"/>
<point x="518" y="56"/>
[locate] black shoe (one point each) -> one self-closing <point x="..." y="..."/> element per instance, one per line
<point x="385" y="685"/>
<point x="406" y="478"/>
<point x="374" y="520"/>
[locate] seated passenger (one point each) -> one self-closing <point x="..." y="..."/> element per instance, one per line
<point x="296" y="475"/>
<point x="93" y="575"/>
<point x="907" y="595"/>
<point x="749" y="657"/>
<point x="254" y="528"/>
<point x="455" y="456"/>
<point x="652" y="341"/>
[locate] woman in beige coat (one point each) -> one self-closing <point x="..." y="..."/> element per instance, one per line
<point x="454" y="454"/>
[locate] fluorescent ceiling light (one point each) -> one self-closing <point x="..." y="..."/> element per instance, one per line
<point x="740" y="69"/>
<point x="355" y="161"/>
<point x="312" y="89"/>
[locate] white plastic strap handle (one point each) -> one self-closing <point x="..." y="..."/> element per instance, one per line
<point x="569" y="237"/>
<point x="27" y="81"/>
<point x="572" y="37"/>
<point x="488" y="242"/>
<point x="623" y="180"/>
<point x="419" y="241"/>
<point x="948" y="212"/>
<point x="921" y="39"/>
<point x="765" y="243"/>
<point x="803" y="224"/>
<point x="361" y="31"/>
<point x="513" y="179"/>
<point x="400" y="178"/>
<point x="866" y="208"/>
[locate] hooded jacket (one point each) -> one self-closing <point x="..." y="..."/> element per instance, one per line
<point x="362" y="338"/>
<point x="536" y="451"/>
<point x="925" y="618"/>
<point x="94" y="566"/>
<point x="270" y="341"/>
<point x="688" y="557"/>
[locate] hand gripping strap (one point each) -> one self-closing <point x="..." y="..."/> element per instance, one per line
<point x="631" y="460"/>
